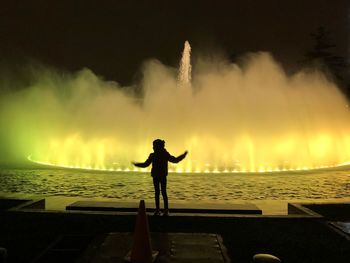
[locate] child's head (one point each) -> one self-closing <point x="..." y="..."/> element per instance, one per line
<point x="158" y="144"/>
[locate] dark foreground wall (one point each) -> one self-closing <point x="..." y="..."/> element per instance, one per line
<point x="293" y="239"/>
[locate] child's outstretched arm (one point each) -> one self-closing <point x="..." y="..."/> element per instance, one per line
<point x="179" y="158"/>
<point x="144" y="164"/>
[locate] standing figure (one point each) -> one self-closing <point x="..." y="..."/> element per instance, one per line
<point x="159" y="160"/>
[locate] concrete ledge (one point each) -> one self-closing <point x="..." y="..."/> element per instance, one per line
<point x="328" y="211"/>
<point x="331" y="211"/>
<point x="300" y="209"/>
<point x="15" y="204"/>
<point x="7" y="203"/>
<point x="32" y="204"/>
<point x="174" y="207"/>
<point x="342" y="228"/>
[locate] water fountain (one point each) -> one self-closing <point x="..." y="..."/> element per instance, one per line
<point x="244" y="118"/>
<point x="185" y="68"/>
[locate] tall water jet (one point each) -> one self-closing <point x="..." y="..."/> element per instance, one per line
<point x="185" y="68"/>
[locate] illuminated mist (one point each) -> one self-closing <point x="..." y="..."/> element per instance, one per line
<point x="231" y="118"/>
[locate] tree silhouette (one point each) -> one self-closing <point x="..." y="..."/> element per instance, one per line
<point x="321" y="56"/>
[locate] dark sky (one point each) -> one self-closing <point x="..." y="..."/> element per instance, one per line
<point x="114" y="37"/>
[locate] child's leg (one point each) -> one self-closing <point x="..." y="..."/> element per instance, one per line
<point x="164" y="193"/>
<point x="156" y="191"/>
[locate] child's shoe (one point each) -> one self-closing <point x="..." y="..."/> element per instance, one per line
<point x="157" y="212"/>
<point x="166" y="212"/>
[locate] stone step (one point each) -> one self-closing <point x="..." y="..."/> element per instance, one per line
<point x="206" y="208"/>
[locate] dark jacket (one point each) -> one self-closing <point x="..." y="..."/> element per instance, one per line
<point x="159" y="160"/>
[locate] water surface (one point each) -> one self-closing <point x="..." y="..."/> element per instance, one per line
<point x="186" y="187"/>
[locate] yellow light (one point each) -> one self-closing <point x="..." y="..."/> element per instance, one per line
<point x="179" y="170"/>
<point x="197" y="170"/>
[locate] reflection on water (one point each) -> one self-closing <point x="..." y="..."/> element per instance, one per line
<point x="189" y="187"/>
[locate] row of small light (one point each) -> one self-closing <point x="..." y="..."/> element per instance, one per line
<point x="180" y="170"/>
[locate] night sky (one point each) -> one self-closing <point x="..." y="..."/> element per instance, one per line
<point x="114" y="37"/>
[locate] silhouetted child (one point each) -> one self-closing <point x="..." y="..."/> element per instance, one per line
<point x="159" y="160"/>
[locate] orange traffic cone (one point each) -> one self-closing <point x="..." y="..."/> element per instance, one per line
<point x="141" y="251"/>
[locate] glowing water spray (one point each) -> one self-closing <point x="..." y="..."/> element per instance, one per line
<point x="251" y="118"/>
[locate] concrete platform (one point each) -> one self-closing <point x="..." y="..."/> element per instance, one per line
<point x="202" y="208"/>
<point x="294" y="238"/>
<point x="113" y="247"/>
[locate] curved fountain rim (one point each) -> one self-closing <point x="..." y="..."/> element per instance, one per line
<point x="340" y="167"/>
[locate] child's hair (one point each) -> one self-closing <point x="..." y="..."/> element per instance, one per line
<point x="158" y="144"/>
